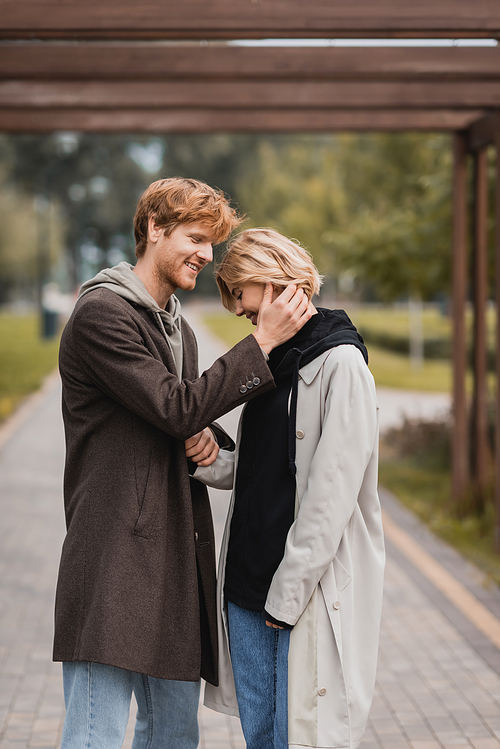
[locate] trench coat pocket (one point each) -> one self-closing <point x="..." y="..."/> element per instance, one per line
<point x="342" y="576"/>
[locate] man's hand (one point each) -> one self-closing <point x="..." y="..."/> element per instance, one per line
<point x="202" y="448"/>
<point x="278" y="321"/>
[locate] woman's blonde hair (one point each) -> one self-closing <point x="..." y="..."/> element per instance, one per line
<point x="265" y="256"/>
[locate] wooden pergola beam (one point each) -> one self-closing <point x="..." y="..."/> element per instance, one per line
<point x="154" y="60"/>
<point x="246" y="19"/>
<point x="195" y="120"/>
<point x="483" y="132"/>
<point x="249" y="94"/>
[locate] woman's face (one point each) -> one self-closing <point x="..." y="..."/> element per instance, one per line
<point x="248" y="298"/>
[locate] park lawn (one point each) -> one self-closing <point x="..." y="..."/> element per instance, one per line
<point x="396" y="319"/>
<point x="25" y="359"/>
<point x="426" y="491"/>
<point x="388" y="368"/>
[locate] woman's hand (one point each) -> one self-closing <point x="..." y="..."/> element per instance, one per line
<point x="202" y="448"/>
<point x="274" y="626"/>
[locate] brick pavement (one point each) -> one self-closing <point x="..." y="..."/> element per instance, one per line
<point x="438" y="683"/>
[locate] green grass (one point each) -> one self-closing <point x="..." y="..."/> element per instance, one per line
<point x="25" y="359"/>
<point x="389" y="369"/>
<point x="396" y="319"/>
<point x="394" y="371"/>
<point x="426" y="491"/>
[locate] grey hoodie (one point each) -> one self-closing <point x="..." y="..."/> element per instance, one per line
<point x="123" y="281"/>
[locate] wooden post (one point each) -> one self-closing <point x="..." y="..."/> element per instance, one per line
<point x="459" y="446"/>
<point x="497" y="302"/>
<point x="480" y="255"/>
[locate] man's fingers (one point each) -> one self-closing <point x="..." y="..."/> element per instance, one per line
<point x="193" y="441"/>
<point x="211" y="457"/>
<point x="201" y="446"/>
<point x="288" y="293"/>
<point x="299" y="298"/>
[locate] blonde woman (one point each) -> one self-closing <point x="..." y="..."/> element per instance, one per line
<point x="301" y="567"/>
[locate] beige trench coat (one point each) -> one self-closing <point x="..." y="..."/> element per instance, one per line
<point x="329" y="582"/>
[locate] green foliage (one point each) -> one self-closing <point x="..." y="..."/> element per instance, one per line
<point x="93" y="183"/>
<point x="293" y="184"/>
<point x="373" y="209"/>
<point x="399" y="237"/>
<point x="25" y="359"/>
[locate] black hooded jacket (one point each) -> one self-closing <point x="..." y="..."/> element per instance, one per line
<point x="265" y="478"/>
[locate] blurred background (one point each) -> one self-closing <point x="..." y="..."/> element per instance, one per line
<point x="373" y="209"/>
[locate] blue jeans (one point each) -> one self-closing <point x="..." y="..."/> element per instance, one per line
<point x="98" y="698"/>
<point x="259" y="656"/>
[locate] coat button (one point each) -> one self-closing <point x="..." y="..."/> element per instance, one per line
<point x="243" y="389"/>
<point x="336" y="604"/>
<point x="299" y="434"/>
<point x="322" y="692"/>
<point x="196" y="536"/>
<point x="256" y="381"/>
<point x="249" y="384"/>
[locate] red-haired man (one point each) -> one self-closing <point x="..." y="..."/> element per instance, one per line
<point x="135" y="606"/>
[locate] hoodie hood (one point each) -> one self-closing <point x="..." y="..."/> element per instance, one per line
<point x="122" y="280"/>
<point x="324" y="331"/>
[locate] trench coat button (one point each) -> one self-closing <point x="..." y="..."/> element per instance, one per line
<point x="243" y="389"/>
<point x="196" y="536"/>
<point x="249" y="384"/>
<point x="256" y="381"/>
<point x="322" y="692"/>
<point x="336" y="604"/>
<point x="299" y="434"/>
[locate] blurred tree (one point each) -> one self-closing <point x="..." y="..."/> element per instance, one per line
<point x="374" y="210"/>
<point x="96" y="180"/>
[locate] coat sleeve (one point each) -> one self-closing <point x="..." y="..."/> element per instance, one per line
<point x="110" y="348"/>
<point x="220" y="474"/>
<point x="336" y="472"/>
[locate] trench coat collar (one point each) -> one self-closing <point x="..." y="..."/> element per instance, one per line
<point x="309" y="371"/>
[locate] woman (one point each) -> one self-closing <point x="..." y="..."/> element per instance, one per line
<point x="301" y="568"/>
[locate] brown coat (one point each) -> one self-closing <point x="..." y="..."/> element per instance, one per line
<point x="136" y="586"/>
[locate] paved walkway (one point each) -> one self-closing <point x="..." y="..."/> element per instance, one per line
<point x="439" y="668"/>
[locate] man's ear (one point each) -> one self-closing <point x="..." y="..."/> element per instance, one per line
<point x="154" y="231"/>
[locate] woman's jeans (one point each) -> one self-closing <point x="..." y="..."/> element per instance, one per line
<point x="259" y="656"/>
<point x="98" y="698"/>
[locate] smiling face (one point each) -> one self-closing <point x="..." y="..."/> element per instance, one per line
<point x="182" y="255"/>
<point x="248" y="298"/>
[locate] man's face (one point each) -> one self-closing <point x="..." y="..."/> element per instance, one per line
<point x="181" y="256"/>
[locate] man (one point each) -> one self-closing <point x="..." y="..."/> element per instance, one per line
<point x="135" y="604"/>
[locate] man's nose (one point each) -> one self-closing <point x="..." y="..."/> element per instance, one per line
<point x="205" y="252"/>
